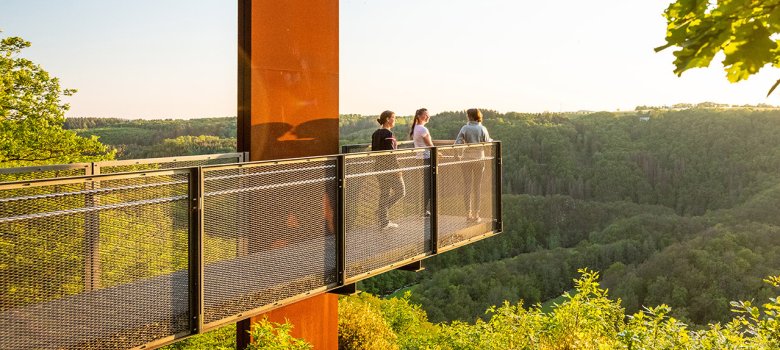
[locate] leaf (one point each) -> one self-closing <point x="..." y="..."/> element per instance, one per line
<point x="773" y="87"/>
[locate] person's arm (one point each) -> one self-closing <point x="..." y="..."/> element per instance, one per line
<point x="486" y="135"/>
<point x="427" y="140"/>
<point x="387" y="140"/>
<point x="388" y="144"/>
<point x="459" y="140"/>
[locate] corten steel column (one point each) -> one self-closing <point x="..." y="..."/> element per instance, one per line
<point x="288" y="80"/>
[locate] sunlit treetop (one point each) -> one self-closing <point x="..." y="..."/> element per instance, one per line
<point x="32" y="115"/>
<point x="744" y="30"/>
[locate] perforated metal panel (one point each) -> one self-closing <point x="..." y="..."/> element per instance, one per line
<point x="466" y="192"/>
<point x="381" y="189"/>
<point x="98" y="265"/>
<point x="269" y="234"/>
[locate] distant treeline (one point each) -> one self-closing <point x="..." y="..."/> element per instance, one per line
<point x="140" y="138"/>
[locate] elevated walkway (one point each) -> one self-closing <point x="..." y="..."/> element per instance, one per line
<point x="139" y="259"/>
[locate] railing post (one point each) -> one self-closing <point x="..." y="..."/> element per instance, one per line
<point x="499" y="223"/>
<point x="195" y="249"/>
<point x="434" y="193"/>
<point x="341" y="225"/>
<point x="91" y="233"/>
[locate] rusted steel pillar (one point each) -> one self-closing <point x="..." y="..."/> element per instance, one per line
<point x="288" y="81"/>
<point x="288" y="78"/>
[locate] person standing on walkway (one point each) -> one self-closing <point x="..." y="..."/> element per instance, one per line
<point x="422" y="138"/>
<point x="391" y="184"/>
<point x="473" y="132"/>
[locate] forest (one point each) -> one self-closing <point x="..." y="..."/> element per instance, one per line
<point x="139" y="138"/>
<point x="675" y="207"/>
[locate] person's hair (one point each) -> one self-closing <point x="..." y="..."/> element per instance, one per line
<point x="384" y="117"/>
<point x="474" y="114"/>
<point x="417" y="116"/>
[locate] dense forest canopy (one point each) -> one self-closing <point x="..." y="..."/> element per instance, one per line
<point x="674" y="206"/>
<point x="138" y="138"/>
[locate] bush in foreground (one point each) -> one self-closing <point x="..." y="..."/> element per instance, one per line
<point x="586" y="319"/>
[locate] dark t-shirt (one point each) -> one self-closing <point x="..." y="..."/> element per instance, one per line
<point x="383" y="140"/>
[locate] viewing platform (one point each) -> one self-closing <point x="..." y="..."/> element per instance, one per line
<point x="139" y="253"/>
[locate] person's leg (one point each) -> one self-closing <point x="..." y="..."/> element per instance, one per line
<point x="427" y="190"/>
<point x="384" y="194"/>
<point x="479" y="171"/>
<point x="399" y="190"/>
<point x="468" y="179"/>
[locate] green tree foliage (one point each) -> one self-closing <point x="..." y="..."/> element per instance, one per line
<point x="744" y="30"/>
<point x="586" y="319"/>
<point x="191" y="145"/>
<point x="266" y="335"/>
<point x="680" y="193"/>
<point x="32" y="115"/>
<point x="160" y="138"/>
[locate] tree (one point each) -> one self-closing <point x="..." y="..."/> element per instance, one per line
<point x="32" y="115"/>
<point x="744" y="30"/>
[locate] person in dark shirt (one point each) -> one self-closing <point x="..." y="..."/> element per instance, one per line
<point x="391" y="184"/>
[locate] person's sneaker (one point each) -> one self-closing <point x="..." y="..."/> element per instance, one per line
<point x="427" y="214"/>
<point x="390" y="225"/>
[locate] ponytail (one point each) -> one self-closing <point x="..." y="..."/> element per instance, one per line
<point x="417" y="115"/>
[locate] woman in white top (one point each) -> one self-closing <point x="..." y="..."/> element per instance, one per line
<point x="419" y="133"/>
<point x="422" y="138"/>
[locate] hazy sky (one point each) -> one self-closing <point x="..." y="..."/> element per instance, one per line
<point x="177" y="58"/>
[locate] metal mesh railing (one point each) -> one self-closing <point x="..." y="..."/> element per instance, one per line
<point x="273" y="222"/>
<point x="143" y="258"/>
<point x="386" y="216"/>
<point x="467" y="192"/>
<point x="94" y="264"/>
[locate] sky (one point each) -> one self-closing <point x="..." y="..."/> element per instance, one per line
<point x="177" y="58"/>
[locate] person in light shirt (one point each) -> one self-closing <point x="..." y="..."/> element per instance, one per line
<point x="473" y="132"/>
<point x="422" y="138"/>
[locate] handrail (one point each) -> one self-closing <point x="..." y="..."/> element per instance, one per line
<point x="95" y="168"/>
<point x="364" y="147"/>
<point x="292" y="228"/>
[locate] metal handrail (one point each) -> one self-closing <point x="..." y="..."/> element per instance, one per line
<point x="401" y="145"/>
<point x="94" y="168"/>
<point x="44" y="168"/>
